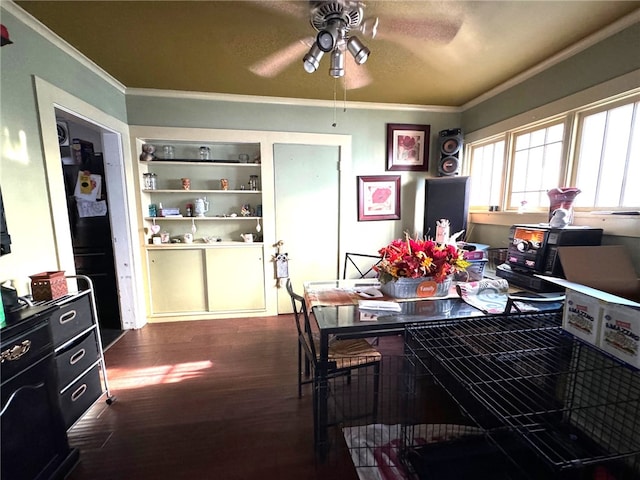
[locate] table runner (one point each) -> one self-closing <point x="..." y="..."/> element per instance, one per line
<point x="342" y="296"/>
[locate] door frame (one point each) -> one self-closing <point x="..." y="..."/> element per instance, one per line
<point x="119" y="178"/>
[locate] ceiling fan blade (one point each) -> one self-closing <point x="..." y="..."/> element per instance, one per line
<point x="356" y="76"/>
<point x="298" y="9"/>
<point x="434" y="30"/>
<point x="277" y="62"/>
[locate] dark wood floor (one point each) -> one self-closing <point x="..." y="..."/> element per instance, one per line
<point x="204" y="400"/>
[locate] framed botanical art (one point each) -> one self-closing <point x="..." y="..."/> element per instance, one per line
<point x="378" y="197"/>
<point x="408" y="147"/>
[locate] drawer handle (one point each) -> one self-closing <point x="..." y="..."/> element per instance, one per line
<point x="76" y="357"/>
<point x="15" y="352"/>
<point x="67" y="317"/>
<point x="78" y="392"/>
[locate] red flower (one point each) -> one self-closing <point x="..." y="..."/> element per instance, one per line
<point x="413" y="258"/>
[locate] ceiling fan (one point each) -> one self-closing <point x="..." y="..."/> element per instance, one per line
<point x="335" y="23"/>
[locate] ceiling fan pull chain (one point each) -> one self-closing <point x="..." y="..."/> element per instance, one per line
<point x="344" y="89"/>
<point x="335" y="86"/>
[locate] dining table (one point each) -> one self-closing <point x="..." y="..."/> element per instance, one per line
<point x="336" y="307"/>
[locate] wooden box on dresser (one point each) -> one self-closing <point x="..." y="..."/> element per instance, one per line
<point x="34" y="438"/>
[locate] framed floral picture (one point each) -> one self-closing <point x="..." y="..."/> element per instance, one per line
<point x="408" y="146"/>
<point x="378" y="197"/>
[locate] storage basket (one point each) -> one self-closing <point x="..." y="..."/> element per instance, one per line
<point x="48" y="286"/>
<point x="416" y="287"/>
<point x="473" y="273"/>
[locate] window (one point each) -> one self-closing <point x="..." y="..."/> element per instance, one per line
<point x="596" y="149"/>
<point x="537" y="163"/>
<point x="487" y="172"/>
<point x="609" y="157"/>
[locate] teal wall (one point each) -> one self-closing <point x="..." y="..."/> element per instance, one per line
<point x="367" y="128"/>
<point x="611" y="58"/>
<point x="22" y="171"/>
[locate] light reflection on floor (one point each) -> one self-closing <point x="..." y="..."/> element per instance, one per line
<point x="122" y="378"/>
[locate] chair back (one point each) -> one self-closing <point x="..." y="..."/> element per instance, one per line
<point x="360" y="265"/>
<point x="303" y="324"/>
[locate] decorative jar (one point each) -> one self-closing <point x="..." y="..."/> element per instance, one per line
<point x="562" y="198"/>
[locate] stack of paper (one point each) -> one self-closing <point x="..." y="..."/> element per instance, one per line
<point x="379" y="305"/>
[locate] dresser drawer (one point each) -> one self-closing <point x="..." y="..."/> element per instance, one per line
<point x="76" y="358"/>
<point x="71" y="319"/>
<point x="22" y="351"/>
<point x="80" y="396"/>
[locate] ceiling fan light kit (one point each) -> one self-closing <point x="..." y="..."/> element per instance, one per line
<point x="311" y="60"/>
<point x="358" y="50"/>
<point x="337" y="63"/>
<point x="327" y="39"/>
<point x="333" y="20"/>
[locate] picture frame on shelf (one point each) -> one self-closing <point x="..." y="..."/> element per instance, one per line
<point x="378" y="197"/>
<point x="408" y="147"/>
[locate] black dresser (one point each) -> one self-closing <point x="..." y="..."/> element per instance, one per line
<point x="33" y="429"/>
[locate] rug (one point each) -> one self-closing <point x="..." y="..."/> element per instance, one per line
<point x="375" y="449"/>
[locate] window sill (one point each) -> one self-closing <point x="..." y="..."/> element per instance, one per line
<point x="617" y="225"/>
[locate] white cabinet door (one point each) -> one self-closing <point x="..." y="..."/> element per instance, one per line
<point x="177" y="281"/>
<point x="235" y="278"/>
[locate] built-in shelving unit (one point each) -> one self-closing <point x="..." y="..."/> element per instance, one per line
<point x="198" y="262"/>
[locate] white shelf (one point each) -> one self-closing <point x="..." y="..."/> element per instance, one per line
<point x="227" y="192"/>
<point x="199" y="163"/>
<point x="199" y="244"/>
<point x="199" y="219"/>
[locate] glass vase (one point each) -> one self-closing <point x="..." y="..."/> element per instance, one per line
<point x="562" y="198"/>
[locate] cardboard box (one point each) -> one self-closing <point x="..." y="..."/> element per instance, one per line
<point x="607" y="268"/>
<point x="620" y="333"/>
<point x="603" y="289"/>
<point x="582" y="316"/>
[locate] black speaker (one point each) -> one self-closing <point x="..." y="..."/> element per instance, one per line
<point x="450" y="143"/>
<point x="446" y="197"/>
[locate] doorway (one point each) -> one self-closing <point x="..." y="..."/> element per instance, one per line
<point x="81" y="154"/>
<point x="307" y="198"/>
<point x="53" y="101"/>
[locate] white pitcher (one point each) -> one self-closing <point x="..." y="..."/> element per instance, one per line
<point x="247" y="237"/>
<point x="200" y="207"/>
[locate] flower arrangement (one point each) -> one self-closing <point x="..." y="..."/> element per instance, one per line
<point x="415" y="258"/>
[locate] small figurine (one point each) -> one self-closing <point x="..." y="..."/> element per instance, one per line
<point x="560" y="218"/>
<point x="147" y="153"/>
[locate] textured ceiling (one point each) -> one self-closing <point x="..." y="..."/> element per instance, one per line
<point x="425" y="53"/>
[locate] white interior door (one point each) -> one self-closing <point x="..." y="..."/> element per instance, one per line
<point x="307" y="199"/>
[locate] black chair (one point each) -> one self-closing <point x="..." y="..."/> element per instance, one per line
<point x="344" y="356"/>
<point x="360" y="265"/>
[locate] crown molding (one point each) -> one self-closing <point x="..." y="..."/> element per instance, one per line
<point x="49" y="35"/>
<point x="299" y="102"/>
<point x="616" y="27"/>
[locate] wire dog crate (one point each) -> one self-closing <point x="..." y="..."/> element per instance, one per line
<point x="543" y="404"/>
